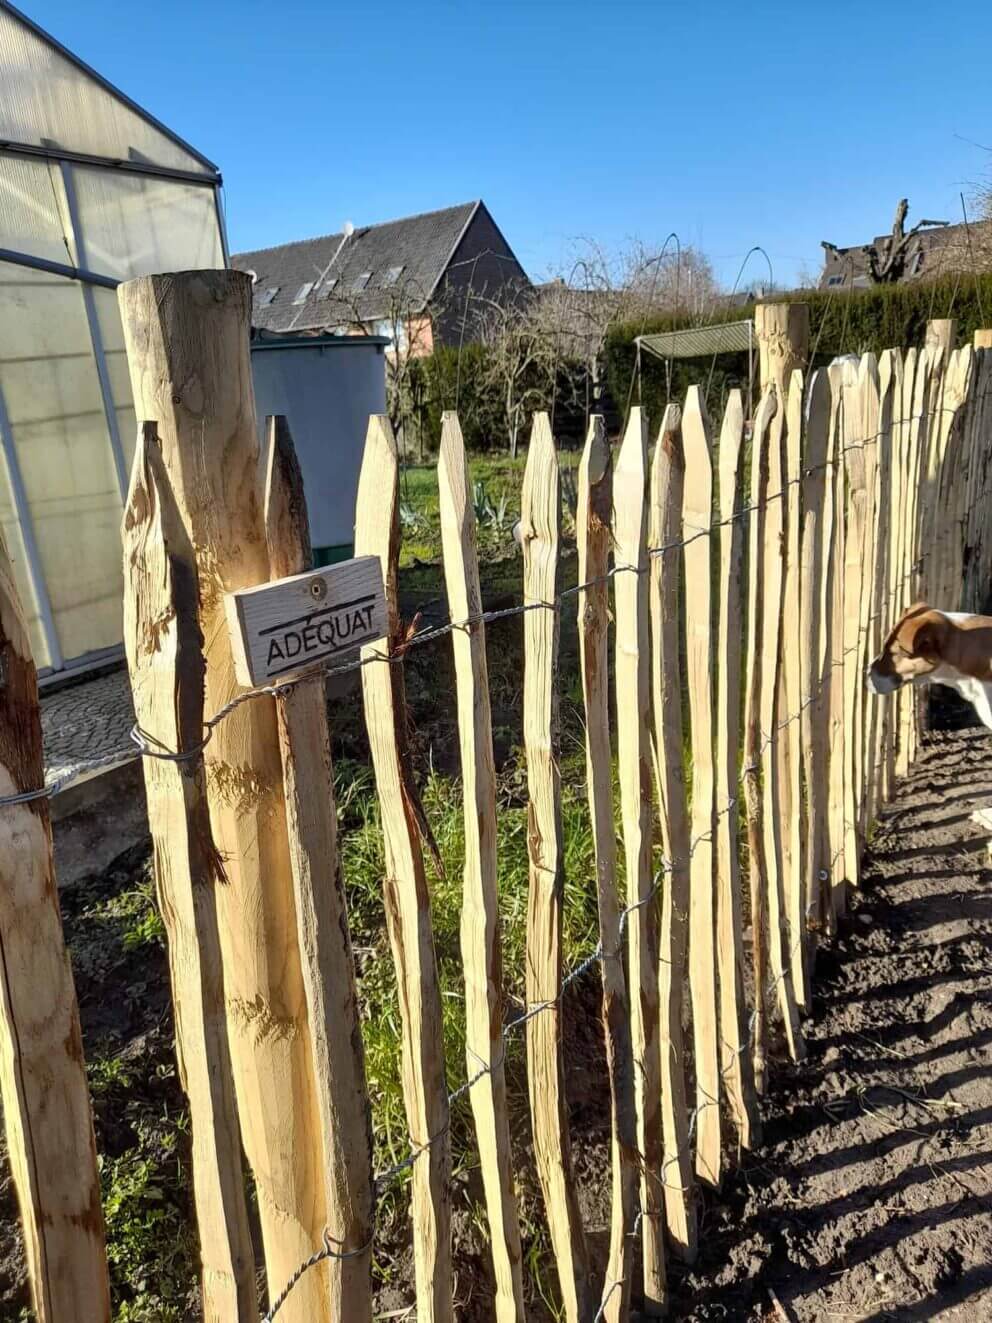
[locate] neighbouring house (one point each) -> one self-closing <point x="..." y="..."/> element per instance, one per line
<point x="932" y="252"/>
<point x="406" y="279"/>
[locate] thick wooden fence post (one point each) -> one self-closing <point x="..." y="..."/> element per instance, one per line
<point x="322" y="917"/>
<point x="941" y="334"/>
<point x="782" y="332"/>
<point x="634" y="759"/>
<point x="592" y="535"/>
<point x="540" y="519"/>
<point x="187" y="342"/>
<point x="46" y="1104"/>
<point x="737" y="1069"/>
<point x="667" y="481"/>
<point x="697" y="518"/>
<point x="165" y="658"/>
<point x="480" y="907"/>
<point x="406" y="895"/>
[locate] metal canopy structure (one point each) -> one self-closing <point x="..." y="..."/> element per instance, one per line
<point x="700" y="341"/>
<point x="93" y="191"/>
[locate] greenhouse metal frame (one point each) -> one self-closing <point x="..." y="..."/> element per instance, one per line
<point x="93" y="190"/>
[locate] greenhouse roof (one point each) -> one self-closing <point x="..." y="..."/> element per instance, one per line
<point x="53" y="104"/>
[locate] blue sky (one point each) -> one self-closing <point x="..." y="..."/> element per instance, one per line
<point x="733" y="124"/>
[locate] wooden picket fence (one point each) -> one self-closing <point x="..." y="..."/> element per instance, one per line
<point x="754" y="569"/>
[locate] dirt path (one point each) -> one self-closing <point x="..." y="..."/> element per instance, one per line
<point x="871" y="1198"/>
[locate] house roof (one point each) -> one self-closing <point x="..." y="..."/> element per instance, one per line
<point x="362" y="277"/>
<point x="933" y="252"/>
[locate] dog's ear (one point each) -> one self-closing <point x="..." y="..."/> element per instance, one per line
<point x="926" y="643"/>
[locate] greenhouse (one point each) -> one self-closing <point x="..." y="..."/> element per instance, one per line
<point x="93" y="191"/>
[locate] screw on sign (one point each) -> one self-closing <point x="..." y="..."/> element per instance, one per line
<point x="306" y="620"/>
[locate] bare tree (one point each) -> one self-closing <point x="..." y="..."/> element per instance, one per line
<point x="521" y="361"/>
<point x="887" y="261"/>
<point x="601" y="290"/>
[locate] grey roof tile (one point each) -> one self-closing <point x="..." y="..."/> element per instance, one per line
<point x="421" y="245"/>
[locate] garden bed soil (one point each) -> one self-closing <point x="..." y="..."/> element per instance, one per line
<point x="869" y="1199"/>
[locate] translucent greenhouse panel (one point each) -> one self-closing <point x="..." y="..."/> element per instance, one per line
<point x="10" y="528"/>
<point x="133" y="225"/>
<point x="112" y="336"/>
<point x="52" y="393"/>
<point x="30" y="201"/>
<point x="47" y="99"/>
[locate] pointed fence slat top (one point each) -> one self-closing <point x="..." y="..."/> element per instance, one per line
<point x="866" y="489"/>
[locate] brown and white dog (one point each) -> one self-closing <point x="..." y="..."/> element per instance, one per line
<point x="928" y="646"/>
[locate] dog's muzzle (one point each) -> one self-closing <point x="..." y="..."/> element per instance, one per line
<point x="881" y="684"/>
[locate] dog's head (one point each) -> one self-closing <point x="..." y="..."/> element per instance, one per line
<point x="912" y="651"/>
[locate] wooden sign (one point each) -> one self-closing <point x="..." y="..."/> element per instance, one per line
<point x="283" y="627"/>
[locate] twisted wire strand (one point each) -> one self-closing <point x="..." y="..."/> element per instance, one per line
<point x="147" y="746"/>
<point x="598" y="954"/>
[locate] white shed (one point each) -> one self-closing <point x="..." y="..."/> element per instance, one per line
<point x="93" y="191"/>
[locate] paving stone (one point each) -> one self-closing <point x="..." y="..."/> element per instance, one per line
<point x="84" y="721"/>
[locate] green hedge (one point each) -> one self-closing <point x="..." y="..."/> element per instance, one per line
<point x="861" y="321"/>
<point x="436" y="384"/>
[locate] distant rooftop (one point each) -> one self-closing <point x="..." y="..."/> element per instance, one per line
<point x="345" y="278"/>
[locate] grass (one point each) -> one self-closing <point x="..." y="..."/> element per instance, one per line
<point x="495" y="481"/>
<point x="363" y="869"/>
<point x="117" y="945"/>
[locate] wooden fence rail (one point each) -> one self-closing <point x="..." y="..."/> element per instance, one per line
<point x="755" y="567"/>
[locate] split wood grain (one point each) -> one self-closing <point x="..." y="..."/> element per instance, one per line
<point x="187" y="342"/>
<point x="880" y="605"/>
<point x="540" y="518"/>
<point x="918" y="441"/>
<point x="782" y="946"/>
<point x="165" y="660"/>
<point x="753" y="740"/>
<point x="792" y="808"/>
<point x="869" y="387"/>
<point x="480" y="941"/>
<point x="632" y="672"/>
<point x="593" y="537"/>
<point x="322" y="917"/>
<point x="900" y="368"/>
<point x="667" y="482"/>
<point x="46" y="1105"/>
<point x="853" y="448"/>
<point x="405" y="890"/>
<point x="736" y="1067"/>
<point x="813" y="645"/>
<point x="839" y="749"/>
<point x="697" y="517"/>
